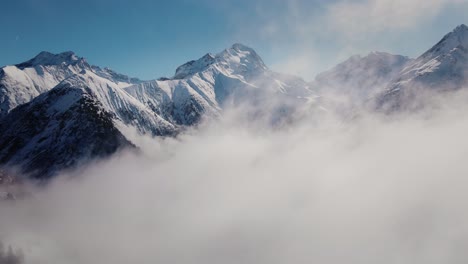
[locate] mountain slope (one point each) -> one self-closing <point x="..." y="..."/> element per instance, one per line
<point x="59" y="129"/>
<point x="444" y="67"/>
<point x="124" y="108"/>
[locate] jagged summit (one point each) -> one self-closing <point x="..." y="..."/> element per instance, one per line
<point x="237" y="58"/>
<point x="110" y="74"/>
<point x="240" y="46"/>
<point x="243" y="55"/>
<point x="47" y="58"/>
<point x="194" y="66"/>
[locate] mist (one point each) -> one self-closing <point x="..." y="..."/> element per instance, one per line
<point x="372" y="189"/>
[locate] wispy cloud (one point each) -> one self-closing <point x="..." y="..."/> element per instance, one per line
<point x="377" y="16"/>
<point x="319" y="34"/>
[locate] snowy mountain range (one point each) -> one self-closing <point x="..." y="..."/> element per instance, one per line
<point x="57" y="111"/>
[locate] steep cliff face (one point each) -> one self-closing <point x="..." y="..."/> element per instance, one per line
<point x="59" y="129"/>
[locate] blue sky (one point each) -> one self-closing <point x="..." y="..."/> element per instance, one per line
<point x="149" y="39"/>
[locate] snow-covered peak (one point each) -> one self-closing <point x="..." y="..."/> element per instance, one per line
<point x="241" y="55"/>
<point x="237" y="59"/>
<point x="449" y="50"/>
<point x="194" y="66"/>
<point x="241" y="47"/>
<point x="441" y="68"/>
<point x="458" y="38"/>
<point x="20" y="83"/>
<point x="114" y="76"/>
<point x="46" y="58"/>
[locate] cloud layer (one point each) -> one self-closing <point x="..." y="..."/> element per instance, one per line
<point x="371" y="191"/>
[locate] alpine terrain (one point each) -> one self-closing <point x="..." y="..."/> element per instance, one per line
<point x="57" y="111"/>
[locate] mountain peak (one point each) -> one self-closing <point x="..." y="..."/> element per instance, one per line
<point x="243" y="55"/>
<point x="456" y="38"/>
<point x="240" y="47"/>
<point x="235" y="57"/>
<point x="461" y="28"/>
<point x="194" y="66"/>
<point x="461" y="34"/>
<point x="48" y="58"/>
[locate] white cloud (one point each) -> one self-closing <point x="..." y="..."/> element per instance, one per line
<point x="301" y="63"/>
<point x="373" y="191"/>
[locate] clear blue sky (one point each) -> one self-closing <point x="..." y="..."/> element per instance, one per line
<point x="149" y="39"/>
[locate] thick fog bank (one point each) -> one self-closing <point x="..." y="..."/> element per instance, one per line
<point x="376" y="189"/>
